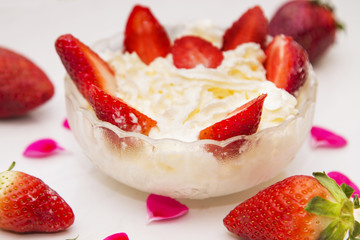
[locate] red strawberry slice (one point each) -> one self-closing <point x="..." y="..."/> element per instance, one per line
<point x="286" y="63"/>
<point x="243" y="121"/>
<point x="190" y="51"/>
<point x="84" y="66"/>
<point x="298" y="207"/>
<point x="310" y="23"/>
<point x="27" y="204"/>
<point x="250" y="27"/>
<point x="96" y="81"/>
<point x="145" y="36"/>
<point x="23" y="85"/>
<point x="115" y="111"/>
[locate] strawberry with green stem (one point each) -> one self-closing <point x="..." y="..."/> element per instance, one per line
<point x="299" y="207"/>
<point x="27" y="204"/>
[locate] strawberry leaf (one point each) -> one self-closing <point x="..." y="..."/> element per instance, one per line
<point x="355" y="231"/>
<point x="331" y="185"/>
<point x="323" y="207"/>
<point x="341" y="178"/>
<point x="347" y="190"/>
<point x="334" y="231"/>
<point x="356" y="202"/>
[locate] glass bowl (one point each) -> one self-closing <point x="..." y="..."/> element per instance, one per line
<point x="199" y="169"/>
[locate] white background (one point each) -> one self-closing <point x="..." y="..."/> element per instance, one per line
<point x="103" y="206"/>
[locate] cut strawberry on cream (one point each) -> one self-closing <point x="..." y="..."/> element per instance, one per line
<point x="145" y="35"/>
<point x="286" y="64"/>
<point x="96" y="81"/>
<point x="243" y="121"/>
<point x="250" y="27"/>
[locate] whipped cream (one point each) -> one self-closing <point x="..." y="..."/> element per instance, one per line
<point x="185" y="101"/>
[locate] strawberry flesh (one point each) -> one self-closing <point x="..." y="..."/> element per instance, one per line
<point x="252" y="26"/>
<point x="96" y="82"/>
<point x="310" y="23"/>
<point x="115" y="111"/>
<point x="27" y="204"/>
<point x="23" y="85"/>
<point x="286" y="63"/>
<point x="145" y="35"/>
<point x="84" y="66"/>
<point x="190" y="51"/>
<point x="243" y="121"/>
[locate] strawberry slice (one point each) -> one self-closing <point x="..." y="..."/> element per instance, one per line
<point x="250" y="27"/>
<point x="117" y="112"/>
<point x="145" y="36"/>
<point x="286" y="63"/>
<point x="96" y="82"/>
<point x="84" y="66"/>
<point x="243" y="121"/>
<point x="190" y="51"/>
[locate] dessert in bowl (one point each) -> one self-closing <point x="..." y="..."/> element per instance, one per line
<point x="178" y="138"/>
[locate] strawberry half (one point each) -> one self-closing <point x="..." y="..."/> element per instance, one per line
<point x="243" y="121"/>
<point x="23" y="85"/>
<point x="27" y="204"/>
<point x="84" y="66"/>
<point x="190" y="51"/>
<point x="145" y="35"/>
<point x="310" y="23"/>
<point x="115" y="111"/>
<point x="286" y="63"/>
<point x="252" y="26"/>
<point x="299" y="207"/>
<point x="96" y="82"/>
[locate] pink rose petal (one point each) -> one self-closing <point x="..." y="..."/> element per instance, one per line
<point x="162" y="208"/>
<point x="341" y="178"/>
<point x="42" y="148"/>
<point x="66" y="124"/>
<point x="324" y="138"/>
<point x="117" y="236"/>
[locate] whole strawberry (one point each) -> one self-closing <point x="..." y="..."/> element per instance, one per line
<point x="309" y="22"/>
<point x="27" y="204"/>
<point x="299" y="207"/>
<point x="23" y="85"/>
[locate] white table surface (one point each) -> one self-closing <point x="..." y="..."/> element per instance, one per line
<point x="103" y="206"/>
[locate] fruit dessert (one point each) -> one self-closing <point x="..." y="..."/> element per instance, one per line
<point x="189" y="111"/>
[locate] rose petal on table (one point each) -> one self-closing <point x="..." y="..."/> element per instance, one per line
<point x="162" y="208"/>
<point x="42" y="148"/>
<point x="66" y="124"/>
<point x="322" y="137"/>
<point x="117" y="236"/>
<point x="341" y="178"/>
